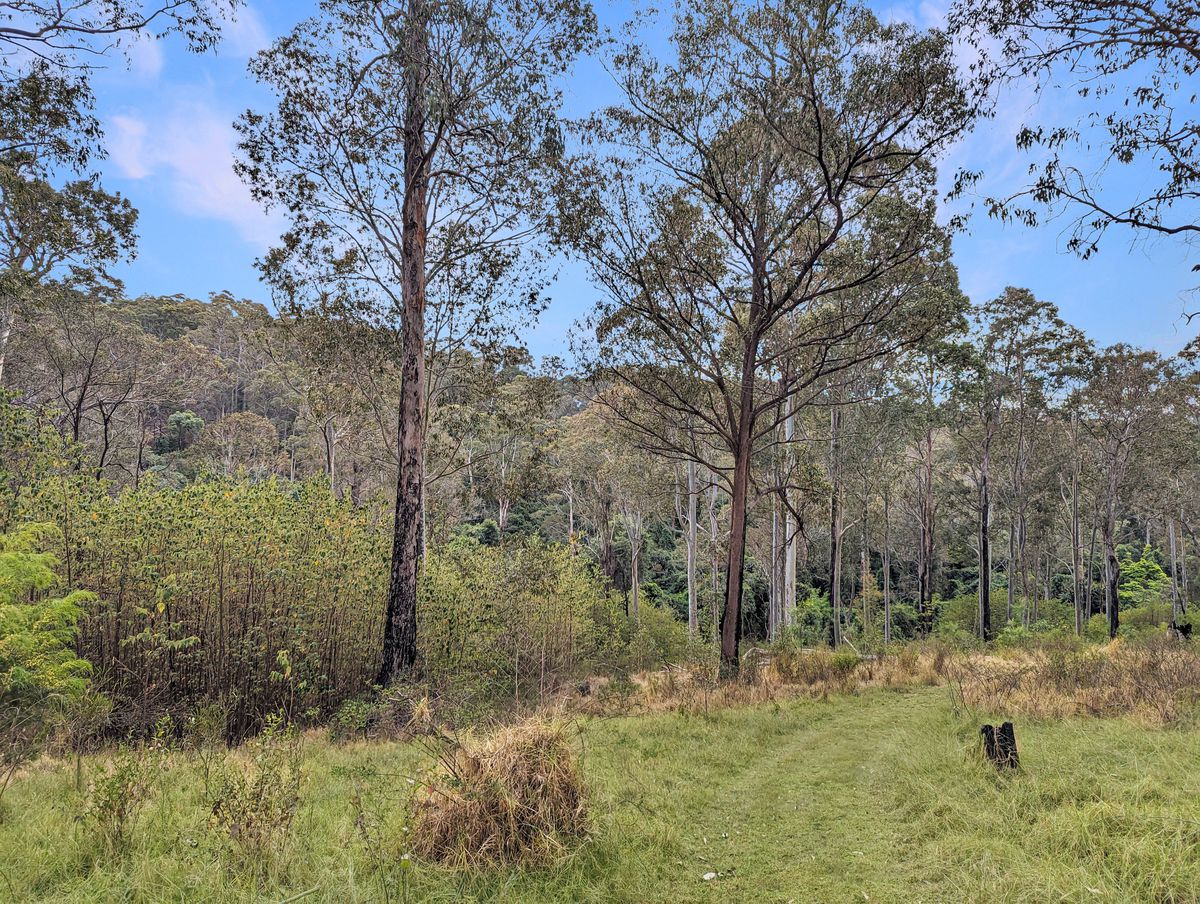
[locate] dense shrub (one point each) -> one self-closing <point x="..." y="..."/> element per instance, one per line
<point x="262" y="596"/>
<point x="518" y="621"/>
<point x="122" y="789"/>
<point x="255" y="802"/>
<point x="810" y="626"/>
<point x="792" y="663"/>
<point x="269" y="596"/>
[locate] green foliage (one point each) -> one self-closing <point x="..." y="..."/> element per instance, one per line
<point x="126" y="784"/>
<point x="793" y="663"/>
<point x="259" y="596"/>
<point x="810" y="627"/>
<point x="255" y="802"/>
<point x="905" y="621"/>
<point x="485" y="533"/>
<point x="183" y="428"/>
<point x="959" y="614"/>
<point x="352" y="721"/>
<point x="37" y="634"/>
<point x="40" y="674"/>
<point x="1096" y="629"/>
<point x="31" y="453"/>
<point x="1143" y="582"/>
<point x="659" y="638"/>
<point x="519" y="619"/>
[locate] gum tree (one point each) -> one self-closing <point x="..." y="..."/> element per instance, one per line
<point x="405" y="151"/>
<point x="760" y="208"/>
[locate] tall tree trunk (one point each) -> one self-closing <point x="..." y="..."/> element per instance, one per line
<point x="985" y="542"/>
<point x="865" y="557"/>
<point x="1176" y="611"/>
<point x="731" y="620"/>
<point x="1184" y="598"/>
<point x="1076" y="554"/>
<point x="789" y="521"/>
<point x="1011" y="569"/>
<point x="400" y="627"/>
<point x="608" y="556"/>
<point x="714" y="540"/>
<point x="928" y="516"/>
<point x="1023" y="568"/>
<point x="635" y="576"/>
<point x="835" y="531"/>
<point x="7" y="316"/>
<point x="887" y="567"/>
<point x="693" y="490"/>
<point x="775" y="584"/>
<point x="1091" y="569"/>
<point x="1112" y="571"/>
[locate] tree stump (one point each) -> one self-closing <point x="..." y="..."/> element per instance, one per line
<point x="1000" y="746"/>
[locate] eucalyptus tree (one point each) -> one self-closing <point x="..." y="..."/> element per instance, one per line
<point x="1020" y="353"/>
<point x="923" y="385"/>
<point x="761" y="197"/>
<point x="1122" y="405"/>
<point x="50" y="48"/>
<point x="405" y="151"/>
<point x="511" y="457"/>
<point x="585" y="463"/>
<point x="70" y="233"/>
<point x="86" y="358"/>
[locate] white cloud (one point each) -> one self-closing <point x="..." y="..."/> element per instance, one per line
<point x="127" y="146"/>
<point x="145" y="55"/>
<point x="246" y="34"/>
<point x="190" y="153"/>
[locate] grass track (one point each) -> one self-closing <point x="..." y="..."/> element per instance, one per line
<point x="867" y="798"/>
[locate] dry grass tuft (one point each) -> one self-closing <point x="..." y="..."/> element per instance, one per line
<point x="1156" y="681"/>
<point x="516" y="798"/>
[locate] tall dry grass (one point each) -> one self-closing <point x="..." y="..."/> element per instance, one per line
<point x="514" y="799"/>
<point x="1155" y="681"/>
<point x="773" y="674"/>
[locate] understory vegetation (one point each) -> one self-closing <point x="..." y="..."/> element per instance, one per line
<point x="768" y="801"/>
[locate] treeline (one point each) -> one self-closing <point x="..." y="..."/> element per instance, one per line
<point x="1009" y="439"/>
<point x="784" y="417"/>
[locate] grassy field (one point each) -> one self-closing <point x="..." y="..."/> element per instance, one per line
<point x="860" y="798"/>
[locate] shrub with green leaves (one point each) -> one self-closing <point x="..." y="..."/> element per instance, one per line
<point x="255" y="802"/>
<point x="519" y="620"/>
<point x="40" y="674"/>
<point x="121" y="791"/>
<point x="256" y="596"/>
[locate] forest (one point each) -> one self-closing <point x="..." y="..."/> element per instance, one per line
<point x="341" y="592"/>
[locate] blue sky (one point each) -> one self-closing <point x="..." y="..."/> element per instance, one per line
<point x="168" y="118"/>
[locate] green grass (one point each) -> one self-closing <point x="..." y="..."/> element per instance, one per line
<point x="867" y="798"/>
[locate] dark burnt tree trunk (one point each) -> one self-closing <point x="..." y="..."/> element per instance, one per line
<point x="400" y="624"/>
<point x="731" y="621"/>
